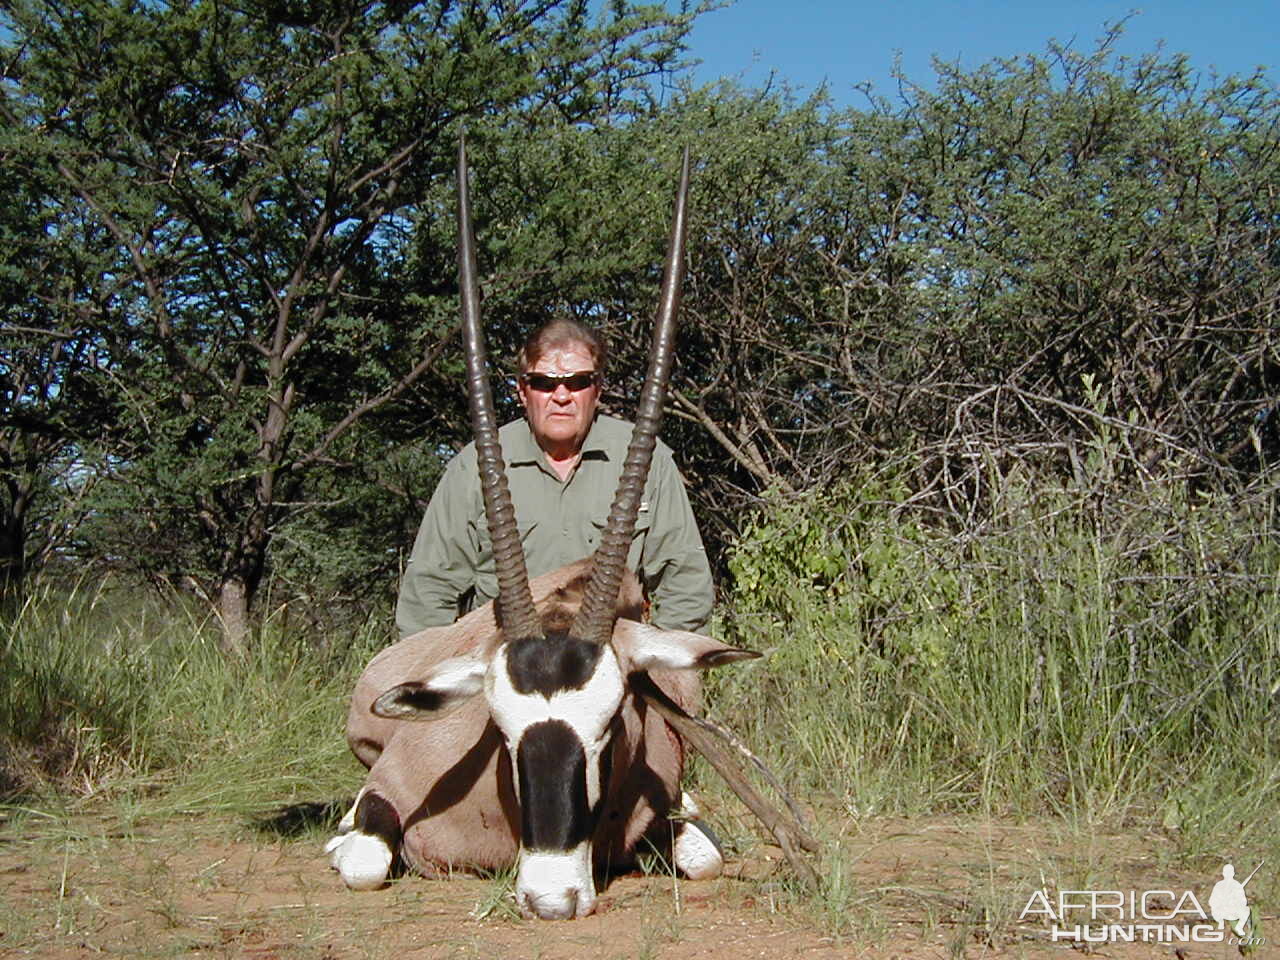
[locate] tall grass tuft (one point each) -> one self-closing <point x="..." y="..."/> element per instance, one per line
<point x="1063" y="653"/>
<point x="107" y="692"/>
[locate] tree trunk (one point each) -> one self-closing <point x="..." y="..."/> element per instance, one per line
<point x="232" y="602"/>
<point x="13" y="546"/>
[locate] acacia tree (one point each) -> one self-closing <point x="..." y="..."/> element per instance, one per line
<point x="49" y="395"/>
<point x="260" y="168"/>
<point x="1098" y="236"/>
<point x="55" y="352"/>
<point x="988" y="274"/>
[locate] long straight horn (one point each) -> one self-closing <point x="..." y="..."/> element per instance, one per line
<point x="517" y="616"/>
<point x="595" y="617"/>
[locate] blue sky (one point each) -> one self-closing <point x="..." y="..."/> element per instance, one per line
<point x="845" y="43"/>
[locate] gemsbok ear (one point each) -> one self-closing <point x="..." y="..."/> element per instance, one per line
<point x="640" y="646"/>
<point x="450" y="684"/>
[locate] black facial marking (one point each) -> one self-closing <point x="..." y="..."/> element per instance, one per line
<point x="552" y="767"/>
<point x="409" y="700"/>
<point x="605" y="770"/>
<point x="549" y="664"/>
<point x="376" y="817"/>
<point x="718" y="658"/>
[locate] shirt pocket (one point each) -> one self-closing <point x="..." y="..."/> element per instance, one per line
<point x="634" y="555"/>
<point x="486" y="571"/>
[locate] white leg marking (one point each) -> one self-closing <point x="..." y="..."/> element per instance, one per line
<point x="688" y="808"/>
<point x="348" y="821"/>
<point x="696" y="852"/>
<point x="363" y="861"/>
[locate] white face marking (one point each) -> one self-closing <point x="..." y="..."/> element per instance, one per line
<point x="556" y="884"/>
<point x="588" y="711"/>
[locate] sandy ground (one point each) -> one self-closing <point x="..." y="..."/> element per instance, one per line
<point x="901" y="889"/>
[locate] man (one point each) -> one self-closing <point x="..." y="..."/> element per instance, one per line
<point x="563" y="461"/>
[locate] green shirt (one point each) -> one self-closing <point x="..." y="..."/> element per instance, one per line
<point x="451" y="567"/>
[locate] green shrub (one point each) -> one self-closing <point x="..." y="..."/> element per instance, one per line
<point x="1065" y="650"/>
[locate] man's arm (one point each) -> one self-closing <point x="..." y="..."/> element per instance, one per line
<point x="674" y="563"/>
<point x="442" y="566"/>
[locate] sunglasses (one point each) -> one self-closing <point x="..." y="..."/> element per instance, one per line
<point x="548" y="382"/>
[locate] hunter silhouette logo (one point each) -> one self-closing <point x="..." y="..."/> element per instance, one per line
<point x="1228" y="903"/>
<point x="1151" y="916"/>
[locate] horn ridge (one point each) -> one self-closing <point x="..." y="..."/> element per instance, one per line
<point x="517" y="616"/>
<point x="594" y="620"/>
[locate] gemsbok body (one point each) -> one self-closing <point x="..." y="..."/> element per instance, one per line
<point x="538" y="751"/>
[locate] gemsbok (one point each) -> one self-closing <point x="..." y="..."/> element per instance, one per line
<point x="546" y="745"/>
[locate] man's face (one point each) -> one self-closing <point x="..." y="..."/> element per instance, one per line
<point x="560" y="418"/>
